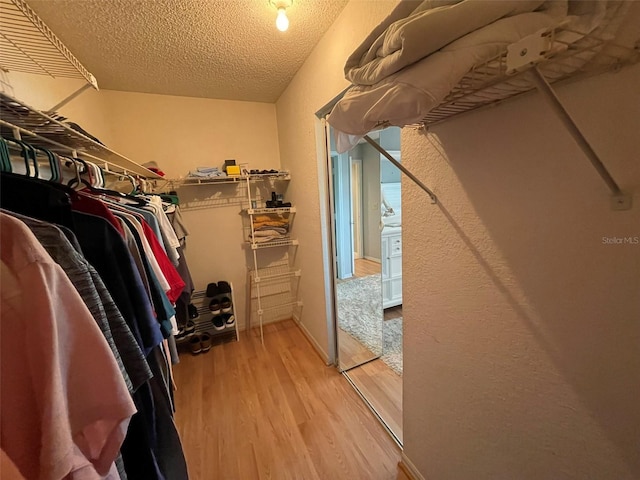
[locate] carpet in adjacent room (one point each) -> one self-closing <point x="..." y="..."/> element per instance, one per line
<point x="360" y="314"/>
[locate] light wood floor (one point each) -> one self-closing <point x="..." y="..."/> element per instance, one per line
<point x="379" y="384"/>
<point x="393" y="312"/>
<point x="382" y="387"/>
<point x="352" y="352"/>
<point x="246" y="412"/>
<point x="365" y="267"/>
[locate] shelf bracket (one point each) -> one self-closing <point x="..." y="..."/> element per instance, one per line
<point x="402" y="168"/>
<point x="620" y="200"/>
<point x="63" y="102"/>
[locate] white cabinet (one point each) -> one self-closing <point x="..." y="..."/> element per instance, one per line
<point x="391" y="250"/>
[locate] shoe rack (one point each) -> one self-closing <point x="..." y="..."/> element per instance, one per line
<point x="204" y="321"/>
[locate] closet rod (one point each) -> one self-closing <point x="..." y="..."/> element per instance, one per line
<point x="402" y="168"/>
<point x="620" y="201"/>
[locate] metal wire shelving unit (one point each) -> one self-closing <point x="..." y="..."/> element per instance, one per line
<point x="272" y="287"/>
<point x="554" y="53"/>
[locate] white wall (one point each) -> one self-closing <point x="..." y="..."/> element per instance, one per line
<point x="522" y="329"/>
<point x="318" y="81"/>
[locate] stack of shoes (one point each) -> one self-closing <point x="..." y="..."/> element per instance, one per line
<point x="220" y="305"/>
<point x="186" y="330"/>
<point x="200" y="343"/>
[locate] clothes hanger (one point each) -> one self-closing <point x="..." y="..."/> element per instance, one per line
<point x="5" y="160"/>
<point x="91" y="187"/>
<point x="53" y="164"/>
<point x="25" y="153"/>
<point x="70" y="162"/>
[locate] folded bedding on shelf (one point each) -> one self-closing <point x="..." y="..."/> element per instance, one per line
<point x="272" y="230"/>
<point x="426" y="31"/>
<point x="263" y="236"/>
<point x="271" y="221"/>
<point x="270" y="233"/>
<point x="407" y="85"/>
<point x="206" y="172"/>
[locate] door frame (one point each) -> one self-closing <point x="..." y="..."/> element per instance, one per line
<point x="356" y="209"/>
<point x="341" y="173"/>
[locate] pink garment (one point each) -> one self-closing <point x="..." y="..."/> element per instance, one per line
<point x="8" y="471"/>
<point x="64" y="406"/>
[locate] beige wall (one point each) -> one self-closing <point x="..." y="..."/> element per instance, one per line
<point x="522" y="333"/>
<point x="318" y="81"/>
<point x="182" y="133"/>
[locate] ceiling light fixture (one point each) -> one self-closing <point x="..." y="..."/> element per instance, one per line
<point x="282" y="22"/>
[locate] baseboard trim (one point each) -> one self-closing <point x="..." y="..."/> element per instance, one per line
<point x="409" y="468"/>
<point x="373" y="259"/>
<point x="316" y="346"/>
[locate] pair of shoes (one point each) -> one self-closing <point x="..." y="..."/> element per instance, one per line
<point x="193" y="311"/>
<point x="220" y="293"/>
<point x="186" y="330"/>
<point x="220" y="288"/>
<point x="200" y="343"/>
<point x="212" y="290"/>
<point x="220" y="322"/>
<point x="220" y="306"/>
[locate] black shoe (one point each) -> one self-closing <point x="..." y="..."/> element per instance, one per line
<point x="190" y="328"/>
<point x="214" y="306"/>
<point x="218" y="322"/>
<point x="224" y="287"/>
<point x="181" y="333"/>
<point x="229" y="319"/>
<point x="212" y="290"/>
<point x="193" y="311"/>
<point x="225" y="304"/>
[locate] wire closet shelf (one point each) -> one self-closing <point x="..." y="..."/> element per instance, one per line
<point x="28" y="45"/>
<point x="557" y="59"/>
<point x="42" y="130"/>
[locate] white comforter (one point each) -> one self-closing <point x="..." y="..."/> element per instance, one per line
<point x="402" y="73"/>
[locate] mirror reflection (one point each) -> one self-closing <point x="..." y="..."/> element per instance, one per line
<point x="368" y="241"/>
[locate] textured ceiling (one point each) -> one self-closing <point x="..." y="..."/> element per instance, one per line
<point x="199" y="48"/>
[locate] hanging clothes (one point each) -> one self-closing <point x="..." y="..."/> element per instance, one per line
<point x="128" y="299"/>
<point x="52" y="353"/>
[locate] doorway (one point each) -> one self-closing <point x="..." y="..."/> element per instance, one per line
<point x="365" y="206"/>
